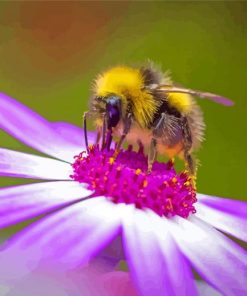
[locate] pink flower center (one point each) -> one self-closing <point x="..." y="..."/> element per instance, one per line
<point x="125" y="180"/>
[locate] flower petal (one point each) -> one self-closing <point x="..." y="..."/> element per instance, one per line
<point x="73" y="133"/>
<point x="71" y="236"/>
<point x="18" y="203"/>
<point x="117" y="283"/>
<point x="215" y="257"/>
<point x="206" y="290"/>
<point x="22" y="165"/>
<point x="150" y="269"/>
<point x="225" y="214"/>
<point x="143" y="254"/>
<point x="89" y="281"/>
<point x="33" y="130"/>
<point x="178" y="270"/>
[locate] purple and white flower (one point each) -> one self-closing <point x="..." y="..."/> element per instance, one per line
<point x="89" y="200"/>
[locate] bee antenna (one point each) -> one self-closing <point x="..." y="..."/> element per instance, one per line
<point x="85" y="129"/>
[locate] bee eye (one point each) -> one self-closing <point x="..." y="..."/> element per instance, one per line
<point x="113" y="110"/>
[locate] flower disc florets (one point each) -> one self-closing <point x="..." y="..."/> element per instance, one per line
<point x="124" y="180"/>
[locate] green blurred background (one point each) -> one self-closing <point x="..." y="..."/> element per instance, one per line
<point x="51" y="51"/>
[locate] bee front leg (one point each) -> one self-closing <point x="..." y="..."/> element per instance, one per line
<point x="141" y="147"/>
<point x="126" y="129"/>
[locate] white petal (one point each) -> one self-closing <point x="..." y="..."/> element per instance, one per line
<point x="179" y="271"/>
<point x="23" y="165"/>
<point x="150" y="268"/>
<point x="18" y="203"/>
<point x="214" y="256"/>
<point x="71" y="236"/>
<point x="227" y="215"/>
<point x="35" y="131"/>
<point x="206" y="290"/>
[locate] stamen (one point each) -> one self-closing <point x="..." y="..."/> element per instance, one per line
<point x="124" y="180"/>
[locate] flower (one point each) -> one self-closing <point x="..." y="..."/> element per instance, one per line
<point x="91" y="280"/>
<point x="124" y="180"/>
<point x="162" y="240"/>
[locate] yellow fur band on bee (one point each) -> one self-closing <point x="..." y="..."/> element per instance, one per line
<point x="129" y="84"/>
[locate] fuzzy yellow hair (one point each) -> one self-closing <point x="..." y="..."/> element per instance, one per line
<point x="181" y="102"/>
<point x="128" y="83"/>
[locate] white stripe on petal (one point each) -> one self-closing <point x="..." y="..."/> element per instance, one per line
<point x="23" y="165"/>
<point x="18" y="203"/>
<point x="214" y="256"/>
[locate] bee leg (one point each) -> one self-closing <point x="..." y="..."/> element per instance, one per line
<point x="190" y="163"/>
<point x="157" y="131"/>
<point x="85" y="130"/>
<point x="141" y="147"/>
<point x="153" y="146"/>
<point x="108" y="139"/>
<point x="191" y="167"/>
<point x="126" y="128"/>
<point x="187" y="141"/>
<point x="98" y="136"/>
<point x="103" y="144"/>
<point x="152" y="154"/>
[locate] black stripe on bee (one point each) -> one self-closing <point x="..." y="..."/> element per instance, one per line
<point x="164" y="108"/>
<point x="150" y="77"/>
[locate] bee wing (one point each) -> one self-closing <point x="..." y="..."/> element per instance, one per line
<point x="198" y="93"/>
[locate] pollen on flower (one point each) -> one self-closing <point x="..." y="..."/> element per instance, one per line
<point x="124" y="180"/>
<point x="111" y="160"/>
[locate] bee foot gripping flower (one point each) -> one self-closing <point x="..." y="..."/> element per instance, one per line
<point x="124" y="181"/>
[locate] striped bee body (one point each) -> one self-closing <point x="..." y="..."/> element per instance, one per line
<point x="142" y="105"/>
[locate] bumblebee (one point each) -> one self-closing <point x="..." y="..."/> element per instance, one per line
<point x="143" y="106"/>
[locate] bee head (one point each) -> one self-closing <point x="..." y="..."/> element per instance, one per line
<point x="113" y="110"/>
